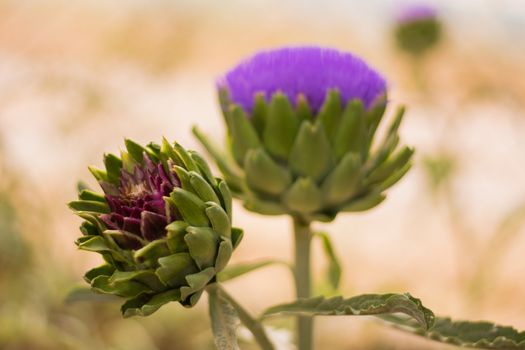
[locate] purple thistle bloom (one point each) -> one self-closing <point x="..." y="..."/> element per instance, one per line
<point x="308" y="71"/>
<point x="416" y="13"/>
<point x="137" y="205"/>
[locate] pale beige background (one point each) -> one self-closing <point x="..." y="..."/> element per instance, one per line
<point x="76" y="78"/>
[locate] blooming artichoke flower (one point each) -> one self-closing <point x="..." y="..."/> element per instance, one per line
<point x="301" y="124"/>
<point x="162" y="226"/>
<point x="417" y="29"/>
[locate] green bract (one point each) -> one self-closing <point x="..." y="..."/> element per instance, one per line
<point x="162" y="226"/>
<point x="286" y="160"/>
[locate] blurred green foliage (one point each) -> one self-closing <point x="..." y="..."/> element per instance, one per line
<point x="13" y="248"/>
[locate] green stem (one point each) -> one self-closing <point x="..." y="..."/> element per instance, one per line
<point x="419" y="74"/>
<point x="303" y="237"/>
<point x="254" y="326"/>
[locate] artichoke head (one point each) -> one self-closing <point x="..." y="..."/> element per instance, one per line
<point x="283" y="158"/>
<point x="418" y="35"/>
<point x="162" y="226"/>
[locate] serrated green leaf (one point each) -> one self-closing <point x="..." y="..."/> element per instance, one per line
<point x="311" y="154"/>
<point x="281" y="127"/>
<point x="264" y="174"/>
<point x="224" y="321"/>
<point x="234" y="271"/>
<point x="471" y="334"/>
<point x="334" y="269"/>
<point x="362" y="305"/>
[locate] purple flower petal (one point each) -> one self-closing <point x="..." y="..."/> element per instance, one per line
<point x="137" y="205"/>
<point x="416" y="13"/>
<point x="310" y="71"/>
<point x="109" y="220"/>
<point x="152" y="225"/>
<point x="128" y="241"/>
<point x="132" y="225"/>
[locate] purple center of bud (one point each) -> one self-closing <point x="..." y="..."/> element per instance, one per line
<point x="416" y="13"/>
<point x="308" y="71"/>
<point x="137" y="205"/>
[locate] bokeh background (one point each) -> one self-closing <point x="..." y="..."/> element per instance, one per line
<point x="76" y="77"/>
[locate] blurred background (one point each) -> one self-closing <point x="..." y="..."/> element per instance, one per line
<point x="77" y="77"/>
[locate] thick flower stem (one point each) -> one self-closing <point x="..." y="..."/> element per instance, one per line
<point x="253" y="325"/>
<point x="303" y="237"/>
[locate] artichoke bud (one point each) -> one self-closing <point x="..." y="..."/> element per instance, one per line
<point x="303" y="138"/>
<point x="417" y="29"/>
<point x="162" y="225"/>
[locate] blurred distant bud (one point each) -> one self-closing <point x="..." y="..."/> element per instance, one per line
<point x="417" y="29"/>
<point x="162" y="225"/>
<point x="301" y="123"/>
<point x="439" y="169"/>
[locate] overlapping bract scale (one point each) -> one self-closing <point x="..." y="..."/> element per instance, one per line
<point x="162" y="226"/>
<point x="288" y="160"/>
